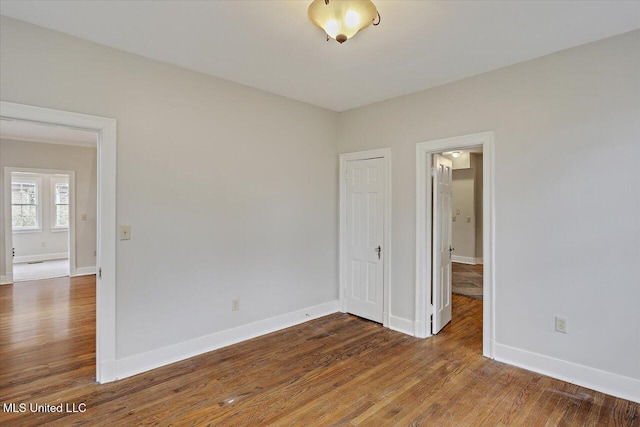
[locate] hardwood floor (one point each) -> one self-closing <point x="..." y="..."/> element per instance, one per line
<point x="466" y="279"/>
<point x="337" y="370"/>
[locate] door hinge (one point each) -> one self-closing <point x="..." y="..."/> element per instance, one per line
<point x="433" y="171"/>
<point x="99" y="273"/>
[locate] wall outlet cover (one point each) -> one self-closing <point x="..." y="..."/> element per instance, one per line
<point x="561" y="325"/>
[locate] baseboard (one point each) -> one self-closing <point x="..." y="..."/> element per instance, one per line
<point x="41" y="257"/>
<point x="163" y="356"/>
<point x="595" y="379"/>
<point x="6" y="280"/>
<point x="401" y="325"/>
<point x="83" y="271"/>
<point x="463" y="259"/>
<point x="479" y="261"/>
<point x="488" y="348"/>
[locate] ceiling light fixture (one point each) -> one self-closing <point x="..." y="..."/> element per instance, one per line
<point x="342" y="19"/>
<point x="455" y="154"/>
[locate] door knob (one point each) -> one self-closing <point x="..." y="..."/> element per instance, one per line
<point x="378" y="249"/>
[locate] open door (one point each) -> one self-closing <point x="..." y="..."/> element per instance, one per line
<point x="442" y="249"/>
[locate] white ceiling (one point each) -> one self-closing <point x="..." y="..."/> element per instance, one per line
<point x="28" y="131"/>
<point x="271" y="45"/>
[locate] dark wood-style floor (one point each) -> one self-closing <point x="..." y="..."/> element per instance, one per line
<point x="337" y="370"/>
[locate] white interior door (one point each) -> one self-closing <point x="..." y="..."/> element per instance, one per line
<point x="441" y="243"/>
<point x="365" y="222"/>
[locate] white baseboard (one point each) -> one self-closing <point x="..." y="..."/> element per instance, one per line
<point x="163" y="356"/>
<point x="83" y="271"/>
<point x="6" y="280"/>
<point x="41" y="257"/>
<point x="463" y="259"/>
<point x="400" y="324"/>
<point x="592" y="378"/>
<point x="479" y="261"/>
<point x="488" y="348"/>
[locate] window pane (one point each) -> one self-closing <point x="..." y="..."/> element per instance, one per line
<point x="24" y="198"/>
<point x="24" y="193"/>
<point x="62" y="215"/>
<point x="16" y="216"/>
<point x="16" y="195"/>
<point x="24" y="216"/>
<point x="29" y="218"/>
<point x="62" y="193"/>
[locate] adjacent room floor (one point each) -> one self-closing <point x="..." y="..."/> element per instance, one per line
<point x="336" y="370"/>
<point x="466" y="279"/>
<point x="40" y="270"/>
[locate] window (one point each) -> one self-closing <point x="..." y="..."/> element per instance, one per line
<point x="25" y="209"/>
<point x="60" y="209"/>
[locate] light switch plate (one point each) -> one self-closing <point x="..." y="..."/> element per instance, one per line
<point x="125" y="232"/>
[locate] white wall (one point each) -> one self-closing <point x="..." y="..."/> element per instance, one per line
<point x="476" y="163"/>
<point x="46" y="243"/>
<point x="567" y="205"/>
<point x="467" y="198"/>
<point x="82" y="160"/>
<point x="230" y="192"/>
<point x="463" y="232"/>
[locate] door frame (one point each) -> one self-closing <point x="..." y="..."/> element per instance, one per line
<point x="8" y="231"/>
<point x="105" y="129"/>
<point x="424" y="188"/>
<point x="385" y="154"/>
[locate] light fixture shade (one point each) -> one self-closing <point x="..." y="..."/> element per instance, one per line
<point x="342" y="19"/>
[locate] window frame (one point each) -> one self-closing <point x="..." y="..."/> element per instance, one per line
<point x="25" y="179"/>
<point x="53" y="180"/>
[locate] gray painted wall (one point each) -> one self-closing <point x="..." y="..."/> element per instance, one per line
<point x="567" y="242"/>
<point x="230" y="192"/>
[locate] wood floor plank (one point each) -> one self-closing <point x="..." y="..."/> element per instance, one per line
<point x="337" y="370"/>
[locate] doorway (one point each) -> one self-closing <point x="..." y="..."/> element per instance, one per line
<point x="466" y="221"/>
<point x="105" y="130"/>
<point x="365" y="227"/>
<point x="41" y="232"/>
<point x="426" y="152"/>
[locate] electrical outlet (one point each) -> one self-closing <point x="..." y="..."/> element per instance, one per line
<point x="561" y="325"/>
<point x="235" y="304"/>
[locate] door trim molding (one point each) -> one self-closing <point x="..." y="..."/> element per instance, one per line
<point x="105" y="129"/>
<point x="384" y="153"/>
<point x="424" y="155"/>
